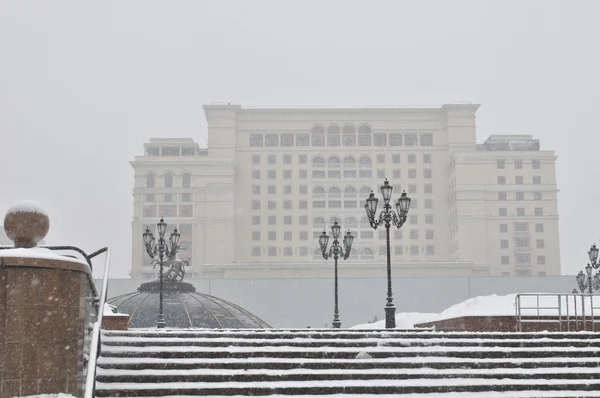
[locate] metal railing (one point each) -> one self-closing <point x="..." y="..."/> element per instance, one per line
<point x="566" y="312"/>
<point x="90" y="383"/>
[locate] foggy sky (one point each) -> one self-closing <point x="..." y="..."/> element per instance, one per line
<point x="83" y="84"/>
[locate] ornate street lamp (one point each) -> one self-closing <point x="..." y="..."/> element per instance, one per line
<point x="164" y="250"/>
<point x="388" y="217"/>
<point x="336" y="251"/>
<point x="585" y="281"/>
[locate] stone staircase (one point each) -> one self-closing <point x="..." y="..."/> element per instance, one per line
<point x="152" y="363"/>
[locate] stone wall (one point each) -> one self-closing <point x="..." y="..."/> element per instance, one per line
<point x="46" y="307"/>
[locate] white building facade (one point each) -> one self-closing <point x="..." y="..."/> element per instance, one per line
<point x="253" y="203"/>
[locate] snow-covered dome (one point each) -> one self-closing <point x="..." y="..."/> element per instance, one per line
<point x="183" y="308"/>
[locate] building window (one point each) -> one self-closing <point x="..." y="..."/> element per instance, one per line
<point x="272" y="140"/>
<point x="271" y="190"/>
<point x="427" y="173"/>
<point x="150" y="180"/>
<point x="287" y="140"/>
<point x="303" y="251"/>
<point x="429" y="219"/>
<point x="522" y="259"/>
<point x="395" y="158"/>
<point x="150" y="211"/>
<point x="255" y="251"/>
<point x="410" y="139"/>
<point x="271" y="174"/>
<point x="272" y="205"/>
<point x="302" y="140"/>
<point x="522" y="243"/>
<point x="169" y="180"/>
<point x="256" y="205"/>
<point x="272" y="251"/>
<point x="503" y="228"/>
<point x="412" y="158"/>
<point x="381" y="158"/>
<point x="256" y="140"/>
<point x="303" y="174"/>
<point x="287" y="174"/>
<point x="287" y="204"/>
<point x="430" y="250"/>
<point x="364" y="135"/>
<point x="271" y="159"/>
<point x="519" y="180"/>
<point x="539" y="211"/>
<point x="426" y="139"/>
<point x="501" y="180"/>
<point x="318" y="136"/>
<point x="428" y="188"/>
<point x="303" y="205"/>
<point x="521" y="227"/>
<point x="429" y="203"/>
<point x="379" y="140"/>
<point x="518" y="164"/>
<point x="539" y="228"/>
<point x="186" y="180"/>
<point x="380" y="173"/>
<point x="150" y="197"/>
<point x="541" y="260"/>
<point x="255" y="220"/>
<point x="395" y="139"/>
<point x="502" y="212"/>
<point x="537" y="180"/>
<point x="412" y="173"/>
<point x="426" y="158"/>
<point x="520" y="211"/>
<point x="287" y="235"/>
<point x="520" y="195"/>
<point x="256" y="235"/>
<point x="398" y="234"/>
<point x="302" y="159"/>
<point x="287" y="159"/>
<point x="256" y="174"/>
<point x="413" y="219"/>
<point x="186" y="197"/>
<point x="535" y="164"/>
<point x="396" y="173"/>
<point x="500" y="164"/>
<point x="414" y="234"/>
<point x="256" y="189"/>
<point x="505" y="260"/>
<point x="539" y="243"/>
<point x="501" y="195"/>
<point x="303" y="235"/>
<point x="414" y="250"/>
<point x="303" y="220"/>
<point x="349" y="135"/>
<point x="537" y="196"/>
<point x="272" y="235"/>
<point x="255" y="159"/>
<point x="429" y="234"/>
<point x="504" y="244"/>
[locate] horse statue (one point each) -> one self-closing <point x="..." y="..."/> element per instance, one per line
<point x="175" y="268"/>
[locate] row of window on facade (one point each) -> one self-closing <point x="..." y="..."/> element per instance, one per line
<point x="318" y="139"/>
<point x="332" y="191"/>
<point x="413" y="234"/>
<point x="169" y="197"/>
<point x="366" y="253"/>
<point x="168" y="179"/>
<point x="520" y="180"/>
<point x="520" y="212"/>
<point x="171" y="151"/>
<point x="319" y="222"/>
<point x="501" y="163"/>
<point x="336" y="161"/>
<point x="519" y="195"/>
<point x="303" y="174"/>
<point x="168" y="211"/>
<point x="523" y="259"/>
<point x="522" y="243"/>
<point x="330" y="204"/>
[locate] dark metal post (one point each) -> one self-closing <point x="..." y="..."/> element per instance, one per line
<point x="390" y="309"/>
<point x="161" y="315"/>
<point x="336" y="313"/>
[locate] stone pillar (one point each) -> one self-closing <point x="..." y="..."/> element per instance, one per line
<point x="46" y="307"/>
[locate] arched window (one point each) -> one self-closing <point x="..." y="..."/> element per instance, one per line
<point x="333" y="161"/>
<point x="365" y="191"/>
<point x="334" y="191"/>
<point x="169" y="180"/>
<point x="350" y="221"/>
<point x="319" y="190"/>
<point x="186" y="180"/>
<point x="317" y="253"/>
<point x="364" y="161"/>
<point x="333" y="135"/>
<point x="364" y="135"/>
<point x="349" y="135"/>
<point x="353" y="254"/>
<point x="318" y="222"/>
<point x="349" y="191"/>
<point x="349" y="161"/>
<point x="333" y="219"/>
<point x="318" y="161"/>
<point x="318" y="136"/>
<point x="150" y="180"/>
<point x="367" y="253"/>
<point x="364" y="222"/>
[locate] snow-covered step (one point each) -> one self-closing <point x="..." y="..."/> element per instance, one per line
<point x="325" y="362"/>
<point x="328" y="387"/>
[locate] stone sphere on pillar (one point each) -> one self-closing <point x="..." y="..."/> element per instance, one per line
<point x="26" y="223"/>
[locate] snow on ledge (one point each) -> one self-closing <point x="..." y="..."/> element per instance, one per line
<point x="60" y="395"/>
<point x="28" y="206"/>
<point x="39" y="253"/>
<point x="111" y="310"/>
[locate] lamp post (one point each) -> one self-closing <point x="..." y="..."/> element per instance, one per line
<point x="585" y="281"/>
<point x="388" y="217"/>
<point x="163" y="249"/>
<point x="336" y="251"/>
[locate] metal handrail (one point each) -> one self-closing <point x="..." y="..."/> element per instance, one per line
<point x="565" y="315"/>
<point x="90" y="383"/>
